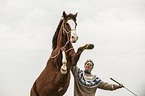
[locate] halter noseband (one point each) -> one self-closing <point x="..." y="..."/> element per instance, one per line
<point x="67" y="32"/>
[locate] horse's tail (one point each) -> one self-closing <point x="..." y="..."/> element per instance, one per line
<point x="33" y="90"/>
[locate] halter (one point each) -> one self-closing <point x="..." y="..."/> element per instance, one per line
<point x="67" y="32"/>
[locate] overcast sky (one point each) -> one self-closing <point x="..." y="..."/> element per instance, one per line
<point x="115" y="27"/>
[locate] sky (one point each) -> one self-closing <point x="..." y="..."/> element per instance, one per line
<point x="115" y="27"/>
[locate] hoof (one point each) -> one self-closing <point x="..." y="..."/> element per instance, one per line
<point x="63" y="68"/>
<point x="90" y="46"/>
<point x="63" y="71"/>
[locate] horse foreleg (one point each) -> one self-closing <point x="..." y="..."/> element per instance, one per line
<point x="76" y="56"/>
<point x="63" y="68"/>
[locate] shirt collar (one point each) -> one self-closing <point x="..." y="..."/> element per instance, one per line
<point x="87" y="72"/>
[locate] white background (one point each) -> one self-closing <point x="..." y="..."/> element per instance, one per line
<point x="115" y="27"/>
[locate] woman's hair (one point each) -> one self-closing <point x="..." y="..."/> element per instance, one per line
<point x="90" y="61"/>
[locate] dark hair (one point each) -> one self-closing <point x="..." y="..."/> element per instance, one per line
<point x="90" y="61"/>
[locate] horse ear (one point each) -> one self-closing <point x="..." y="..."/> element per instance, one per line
<point x="76" y="14"/>
<point x="64" y="14"/>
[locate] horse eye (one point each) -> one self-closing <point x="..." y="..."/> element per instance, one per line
<point x="67" y="24"/>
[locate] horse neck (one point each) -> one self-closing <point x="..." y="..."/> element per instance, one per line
<point x="61" y="39"/>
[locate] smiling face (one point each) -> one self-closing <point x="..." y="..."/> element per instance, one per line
<point x="88" y="66"/>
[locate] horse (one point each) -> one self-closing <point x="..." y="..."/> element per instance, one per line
<point x="54" y="79"/>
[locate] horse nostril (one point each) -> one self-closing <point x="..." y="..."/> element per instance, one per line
<point x="72" y="36"/>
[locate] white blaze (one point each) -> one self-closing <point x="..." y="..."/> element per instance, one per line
<point x="71" y="23"/>
<point x="74" y="36"/>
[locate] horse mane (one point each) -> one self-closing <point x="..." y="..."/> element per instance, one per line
<point x="54" y="41"/>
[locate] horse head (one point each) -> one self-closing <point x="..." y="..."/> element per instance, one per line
<point x="66" y="31"/>
<point x="69" y="26"/>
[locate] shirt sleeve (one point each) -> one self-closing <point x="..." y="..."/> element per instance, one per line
<point x="107" y="86"/>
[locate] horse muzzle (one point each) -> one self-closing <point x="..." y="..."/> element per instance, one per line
<point x="74" y="37"/>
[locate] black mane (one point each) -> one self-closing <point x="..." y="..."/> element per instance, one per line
<point x="54" y="41"/>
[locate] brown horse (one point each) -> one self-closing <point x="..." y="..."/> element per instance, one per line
<point x="54" y="80"/>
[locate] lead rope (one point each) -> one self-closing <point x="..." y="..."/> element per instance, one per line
<point x="56" y="54"/>
<point x="59" y="52"/>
